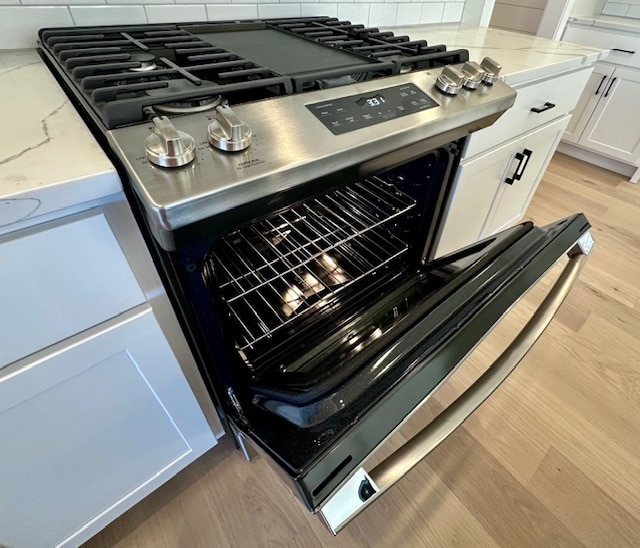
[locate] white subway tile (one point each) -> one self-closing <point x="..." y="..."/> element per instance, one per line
<point x="432" y="13"/>
<point x="204" y="1"/>
<point x="278" y="10"/>
<point x="452" y="12"/>
<point x="312" y="10"/>
<point x="615" y="9"/>
<point x="59" y="2"/>
<point x="139" y="2"/>
<point x="356" y="13"/>
<point x="9" y="2"/>
<point x="235" y="11"/>
<point x="107" y="15"/>
<point x="634" y="11"/>
<point x="382" y="15"/>
<point x="408" y="14"/>
<point x="174" y="13"/>
<point x="19" y="25"/>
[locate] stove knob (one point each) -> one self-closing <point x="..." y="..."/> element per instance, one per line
<point x="227" y="132"/>
<point x="168" y="147"/>
<point x="491" y="70"/>
<point x="450" y="80"/>
<point x="472" y="75"/>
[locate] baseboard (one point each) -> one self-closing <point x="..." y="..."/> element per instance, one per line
<point x="596" y="159"/>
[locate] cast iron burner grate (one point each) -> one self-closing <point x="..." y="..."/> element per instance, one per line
<point x="125" y="74"/>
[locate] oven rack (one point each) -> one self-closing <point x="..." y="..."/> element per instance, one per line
<point x="274" y="270"/>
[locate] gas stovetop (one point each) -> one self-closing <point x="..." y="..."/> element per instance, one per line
<point x="124" y="75"/>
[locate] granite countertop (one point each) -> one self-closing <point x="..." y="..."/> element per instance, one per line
<point x="48" y="158"/>
<point x="608" y="22"/>
<point x="523" y="57"/>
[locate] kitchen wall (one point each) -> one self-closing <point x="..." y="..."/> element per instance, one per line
<point x="624" y="8"/>
<point x="21" y="19"/>
<point x="519" y="15"/>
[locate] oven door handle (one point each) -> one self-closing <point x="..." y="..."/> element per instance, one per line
<point x="342" y="506"/>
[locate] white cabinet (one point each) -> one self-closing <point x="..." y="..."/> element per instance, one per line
<point x="477" y="183"/>
<point x="494" y="189"/>
<point x="614" y="126"/>
<point x="530" y="162"/>
<point x="504" y="163"/>
<point x="95" y="408"/>
<point x="90" y="425"/>
<point x="594" y="89"/>
<point x="605" y="128"/>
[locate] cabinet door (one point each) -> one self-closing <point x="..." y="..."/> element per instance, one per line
<point x="613" y="129"/>
<point x="592" y="93"/>
<point x="91" y="429"/>
<point x="473" y="193"/>
<point x="513" y="197"/>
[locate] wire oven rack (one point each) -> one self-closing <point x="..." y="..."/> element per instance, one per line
<point x="276" y="269"/>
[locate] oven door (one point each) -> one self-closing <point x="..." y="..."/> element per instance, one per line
<point x="323" y="443"/>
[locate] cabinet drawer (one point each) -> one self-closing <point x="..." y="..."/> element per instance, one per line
<point x="58" y="280"/>
<point x="625" y="47"/>
<point x="562" y="91"/>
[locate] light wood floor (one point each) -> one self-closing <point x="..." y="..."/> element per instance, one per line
<point x="551" y="459"/>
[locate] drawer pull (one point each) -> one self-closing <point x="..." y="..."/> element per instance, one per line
<point x="547" y="106"/>
<point x="606" y="93"/>
<point x="623" y="50"/>
<point x="523" y="160"/>
<point x="601" y="82"/>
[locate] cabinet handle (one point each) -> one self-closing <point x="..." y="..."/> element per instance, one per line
<point x="601" y="82"/>
<point x="523" y="160"/>
<point x="547" y="106"/>
<point x="606" y="93"/>
<point x="623" y="50"/>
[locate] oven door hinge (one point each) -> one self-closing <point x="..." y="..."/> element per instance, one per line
<point x="233" y="399"/>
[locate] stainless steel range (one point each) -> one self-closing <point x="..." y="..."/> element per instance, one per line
<point x="292" y="177"/>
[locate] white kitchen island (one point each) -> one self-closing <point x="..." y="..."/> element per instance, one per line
<point x="97" y="384"/>
<point x="92" y="378"/>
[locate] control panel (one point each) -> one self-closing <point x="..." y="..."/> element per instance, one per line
<point x="367" y="109"/>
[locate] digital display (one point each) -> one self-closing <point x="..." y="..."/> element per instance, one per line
<point x="373" y="101"/>
<point x="344" y="114"/>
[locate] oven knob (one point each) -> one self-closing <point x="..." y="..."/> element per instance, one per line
<point x="227" y="132"/>
<point x="472" y="75"/>
<point x="491" y="70"/>
<point x="450" y="80"/>
<point x="168" y="147"/>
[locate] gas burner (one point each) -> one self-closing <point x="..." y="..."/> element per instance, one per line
<point x="147" y="62"/>
<point x="189" y="106"/>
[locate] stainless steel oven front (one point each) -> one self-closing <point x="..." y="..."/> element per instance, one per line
<point x="296" y="234"/>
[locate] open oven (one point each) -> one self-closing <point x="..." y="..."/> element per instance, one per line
<point x="296" y="230"/>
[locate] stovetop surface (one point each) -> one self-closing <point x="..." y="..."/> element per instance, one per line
<point x="125" y="75"/>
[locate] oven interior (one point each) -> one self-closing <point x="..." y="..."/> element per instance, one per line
<point x="306" y="294"/>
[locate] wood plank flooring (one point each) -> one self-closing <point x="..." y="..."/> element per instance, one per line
<point x="551" y="459"/>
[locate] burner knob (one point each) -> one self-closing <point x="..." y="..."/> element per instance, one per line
<point x="472" y="75"/>
<point x="227" y="132"/>
<point x="450" y="80"/>
<point x="168" y="147"/>
<point x="491" y="70"/>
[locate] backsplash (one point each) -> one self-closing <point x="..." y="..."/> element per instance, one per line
<point x="21" y="19"/>
<point x="627" y="8"/>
